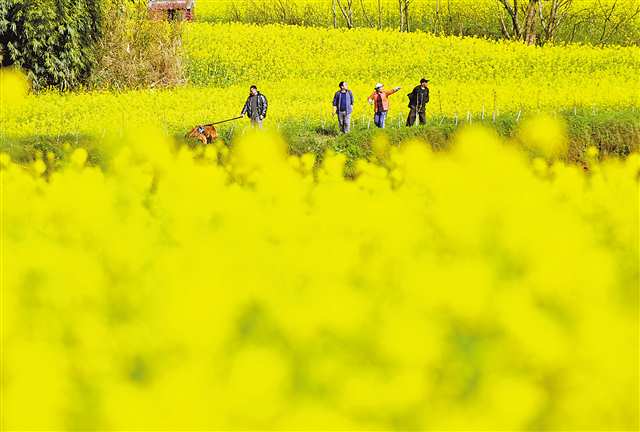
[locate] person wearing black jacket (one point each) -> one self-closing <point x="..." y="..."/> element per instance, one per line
<point x="255" y="107"/>
<point x="418" y="100"/>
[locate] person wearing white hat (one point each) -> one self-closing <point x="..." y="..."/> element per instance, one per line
<point x="380" y="100"/>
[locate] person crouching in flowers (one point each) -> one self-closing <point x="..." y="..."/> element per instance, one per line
<point x="343" y="106"/>
<point x="255" y="107"/>
<point x="380" y="100"/>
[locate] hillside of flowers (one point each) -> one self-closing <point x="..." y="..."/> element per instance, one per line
<point x="471" y="80"/>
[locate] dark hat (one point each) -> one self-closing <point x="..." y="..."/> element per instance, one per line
<point x="424" y="80"/>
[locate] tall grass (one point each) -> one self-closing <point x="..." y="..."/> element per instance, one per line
<point x="136" y="52"/>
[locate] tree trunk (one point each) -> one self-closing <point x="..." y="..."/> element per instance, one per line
<point x="530" y="22"/>
<point x="539" y="24"/>
<point x="403" y="10"/>
<point x="406" y="15"/>
<point x="333" y="12"/>
<point x="350" y="14"/>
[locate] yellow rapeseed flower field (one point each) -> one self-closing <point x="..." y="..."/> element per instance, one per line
<point x="245" y="288"/>
<point x="469" y="77"/>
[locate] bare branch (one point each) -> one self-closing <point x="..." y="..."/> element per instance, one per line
<point x="606" y="21"/>
<point x="504" y="30"/>
<point x="347" y="12"/>
<point x="619" y="23"/>
<point x="513" y="14"/>
<point x="542" y="21"/>
<point x="364" y="13"/>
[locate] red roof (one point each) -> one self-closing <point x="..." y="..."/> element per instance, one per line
<point x="170" y="4"/>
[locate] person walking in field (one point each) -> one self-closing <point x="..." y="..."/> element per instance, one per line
<point x="380" y="100"/>
<point x="255" y="107"/>
<point x="418" y="100"/>
<point x="343" y="106"/>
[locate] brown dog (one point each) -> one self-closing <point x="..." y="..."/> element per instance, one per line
<point x="205" y="134"/>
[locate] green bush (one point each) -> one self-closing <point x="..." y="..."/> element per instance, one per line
<point x="52" y="40"/>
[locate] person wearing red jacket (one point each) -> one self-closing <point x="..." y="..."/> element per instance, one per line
<point x="380" y="100"/>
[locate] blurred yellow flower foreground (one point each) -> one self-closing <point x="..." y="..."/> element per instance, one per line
<point x="468" y="289"/>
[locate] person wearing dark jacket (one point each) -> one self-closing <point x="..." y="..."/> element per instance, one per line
<point x="343" y="107"/>
<point x="255" y="107"/>
<point x="418" y="100"/>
